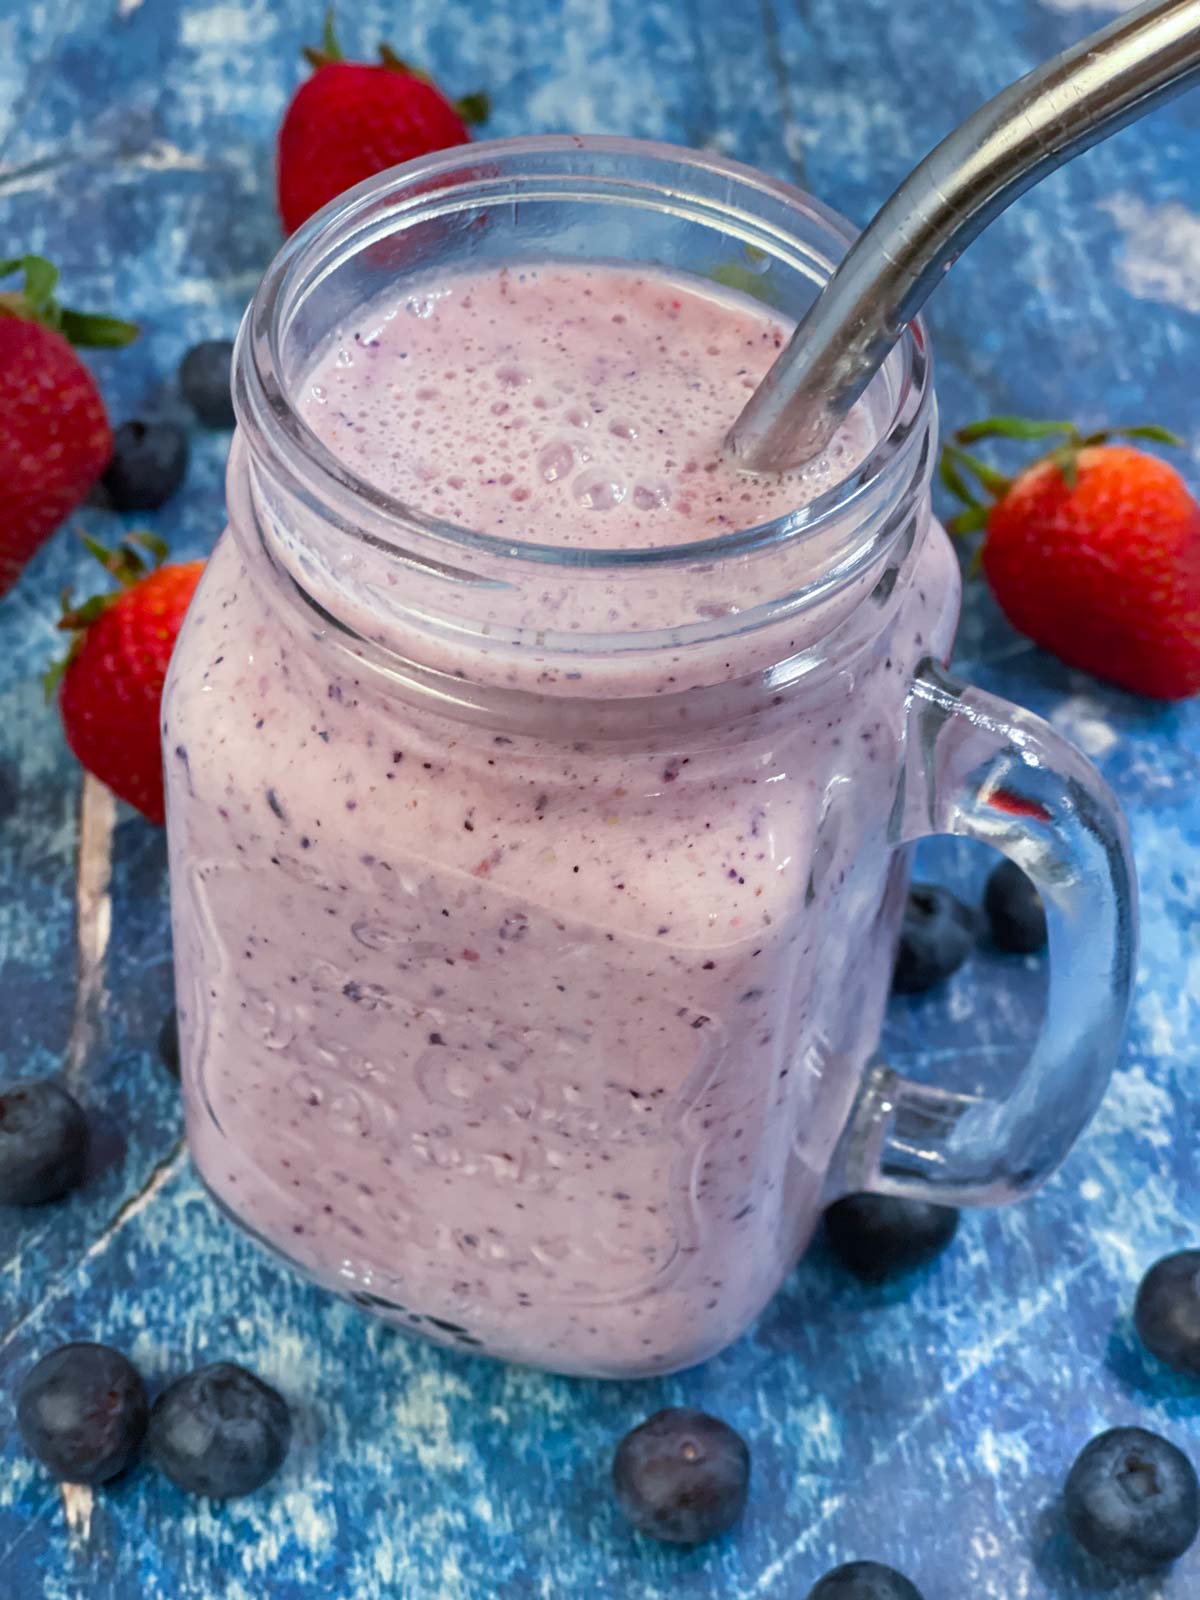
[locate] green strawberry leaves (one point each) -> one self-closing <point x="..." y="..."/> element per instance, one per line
<point x="395" y="63"/>
<point x="472" y="108"/>
<point x="41" y="279"/>
<point x="978" y="486"/>
<point x="1151" y="430"/>
<point x="329" y="48"/>
<point x="36" y="302"/>
<point x="1028" y="428"/>
<point x="128" y="564"/>
<point x="1011" y="428"/>
<point x="95" y="331"/>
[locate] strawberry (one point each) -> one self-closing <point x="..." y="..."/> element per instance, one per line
<point x="1093" y="551"/>
<point x="352" y="119"/>
<point x="54" y="434"/>
<point x="110" y="685"/>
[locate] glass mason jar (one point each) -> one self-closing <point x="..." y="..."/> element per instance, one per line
<point x="531" y="963"/>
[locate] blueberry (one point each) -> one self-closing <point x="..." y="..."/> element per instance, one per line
<point x="1015" y="913"/>
<point x="219" y="1431"/>
<point x="864" y="1580"/>
<point x="1167" y="1312"/>
<point x="147" y="465"/>
<point x="168" y="1042"/>
<point x="879" y="1236"/>
<point x="205" y="378"/>
<point x="682" y="1476"/>
<point x="935" y="938"/>
<point x="1132" y="1500"/>
<point x="43" y="1143"/>
<point x="82" y="1412"/>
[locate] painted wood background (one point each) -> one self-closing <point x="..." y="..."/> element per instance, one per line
<point x="929" y="1425"/>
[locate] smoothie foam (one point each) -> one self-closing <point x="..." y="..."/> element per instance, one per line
<point x="564" y="405"/>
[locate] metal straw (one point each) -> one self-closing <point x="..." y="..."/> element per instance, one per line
<point x="1008" y="145"/>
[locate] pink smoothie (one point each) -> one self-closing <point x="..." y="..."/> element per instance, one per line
<point x="538" y="1042"/>
<point x="570" y="406"/>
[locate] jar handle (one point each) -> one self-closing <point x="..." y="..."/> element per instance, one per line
<point x="980" y="767"/>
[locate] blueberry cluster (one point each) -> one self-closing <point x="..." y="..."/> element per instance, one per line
<point x="1131" y="1500"/>
<point x="82" y="1409"/>
<point x="150" y="455"/>
<point x="939" y="932"/>
<point x="218" y="1431"/>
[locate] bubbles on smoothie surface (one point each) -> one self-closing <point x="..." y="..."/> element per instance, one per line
<point x="564" y="404"/>
<point x="651" y="496"/>
<point x="599" y="490"/>
<point x="556" y="460"/>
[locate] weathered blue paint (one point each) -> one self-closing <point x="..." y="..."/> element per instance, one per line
<point x="928" y="1425"/>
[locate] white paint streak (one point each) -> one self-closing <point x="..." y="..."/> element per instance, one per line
<point x="225" y="29"/>
<point x="1135" y="1106"/>
<point x="1160" y="259"/>
<point x="601" y="85"/>
<point x="1081" y="719"/>
<point x="162" y="156"/>
<point x="202" y="291"/>
<point x="78" y="1500"/>
<point x="296" y="1519"/>
<point x="1107" y="7"/>
<point x="31" y="176"/>
<point x="134" y="1206"/>
<point x="451" y="1576"/>
<point x="1159" y="1025"/>
<point x="986" y="1545"/>
<point x="1001" y="1453"/>
<point x="93" y="916"/>
<point x="16" y="1479"/>
<point x="422" y="1419"/>
<point x="974" y="1361"/>
<point x="961" y="1003"/>
<point x="120" y="166"/>
<point x="1133" y="1224"/>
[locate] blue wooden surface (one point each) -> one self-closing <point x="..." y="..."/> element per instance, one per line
<point x="929" y="1425"/>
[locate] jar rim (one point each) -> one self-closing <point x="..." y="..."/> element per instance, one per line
<point x="265" y="407"/>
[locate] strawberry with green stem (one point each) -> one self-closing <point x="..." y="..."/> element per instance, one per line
<point x="352" y="119"/>
<point x="110" y="684"/>
<point x="55" y="438"/>
<point x="1093" y="550"/>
